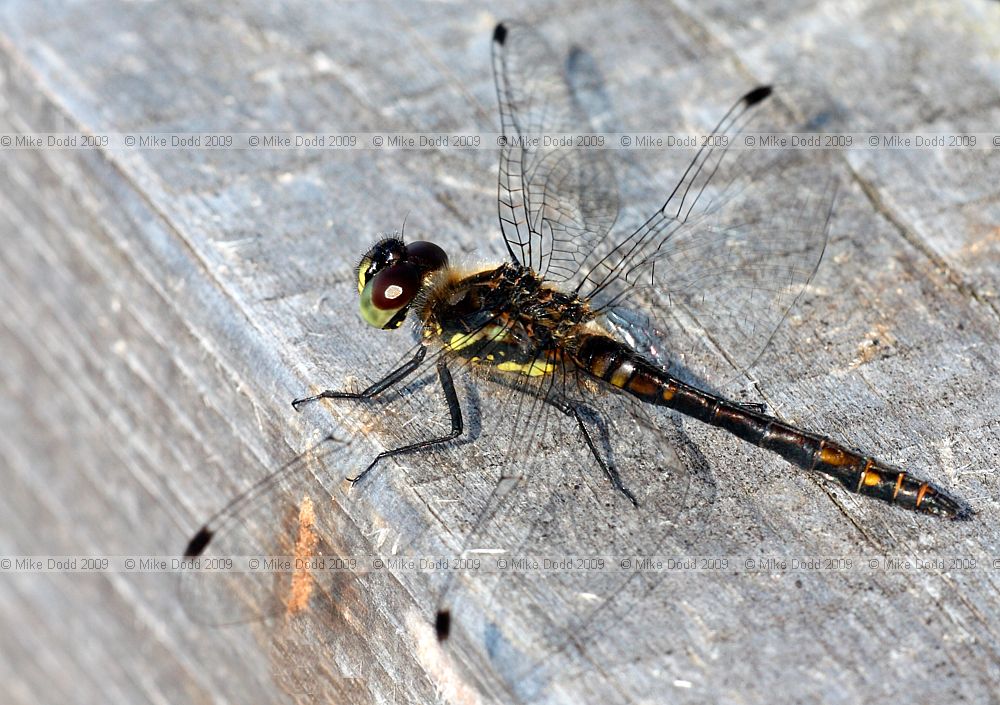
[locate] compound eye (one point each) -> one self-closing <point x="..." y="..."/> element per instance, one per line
<point x="382" y="255"/>
<point x="394" y="287"/>
<point x="426" y="255"/>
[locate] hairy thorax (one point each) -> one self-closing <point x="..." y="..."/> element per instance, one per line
<point x="505" y="318"/>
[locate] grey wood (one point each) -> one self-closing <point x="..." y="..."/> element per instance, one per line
<point x="161" y="308"/>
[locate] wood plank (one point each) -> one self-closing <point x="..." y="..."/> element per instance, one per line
<point x="163" y="306"/>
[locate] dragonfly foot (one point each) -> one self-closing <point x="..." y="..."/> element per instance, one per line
<point x="297" y="403"/>
<point x="328" y="394"/>
<point x="361" y="475"/>
<point x="628" y="493"/>
<point x="756" y="407"/>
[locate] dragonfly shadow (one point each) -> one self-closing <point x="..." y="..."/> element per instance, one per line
<point x="697" y="467"/>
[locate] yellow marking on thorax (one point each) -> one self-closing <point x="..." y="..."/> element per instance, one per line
<point x="599" y="367"/>
<point x="535" y="368"/>
<point x="459" y="341"/>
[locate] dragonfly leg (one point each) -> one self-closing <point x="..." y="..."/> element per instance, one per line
<point x="454" y="410"/>
<point x="393" y="378"/>
<point x="609" y="470"/>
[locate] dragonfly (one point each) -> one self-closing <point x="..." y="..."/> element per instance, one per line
<point x="587" y="338"/>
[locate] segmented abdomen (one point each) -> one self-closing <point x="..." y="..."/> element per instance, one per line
<point x="621" y="367"/>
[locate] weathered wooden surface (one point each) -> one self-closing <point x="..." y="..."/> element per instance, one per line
<point x="162" y="307"/>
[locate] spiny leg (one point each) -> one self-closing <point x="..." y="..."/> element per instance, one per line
<point x="454" y="410"/>
<point x="393" y="378"/>
<point x="609" y="470"/>
<point x="754" y="406"/>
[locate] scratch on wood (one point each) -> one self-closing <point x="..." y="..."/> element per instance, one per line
<point x="875" y="342"/>
<point x="953" y="276"/>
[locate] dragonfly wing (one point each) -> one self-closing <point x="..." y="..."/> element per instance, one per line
<point x="307" y="509"/>
<point x="555" y="200"/>
<point x="567" y="539"/>
<point x="717" y="269"/>
<point x="317" y="586"/>
<point x="239" y="568"/>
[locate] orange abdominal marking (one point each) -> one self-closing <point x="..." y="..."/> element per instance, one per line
<point x="899" y="483"/>
<point x="831" y="455"/>
<point x="643" y="385"/>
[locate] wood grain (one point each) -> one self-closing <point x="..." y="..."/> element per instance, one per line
<point x="162" y="307"/>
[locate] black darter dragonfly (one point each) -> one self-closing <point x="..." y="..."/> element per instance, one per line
<point x="584" y="338"/>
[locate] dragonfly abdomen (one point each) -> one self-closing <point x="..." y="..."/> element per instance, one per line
<point x="621" y="367"/>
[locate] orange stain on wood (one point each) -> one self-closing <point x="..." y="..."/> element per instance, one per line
<point x="305" y="547"/>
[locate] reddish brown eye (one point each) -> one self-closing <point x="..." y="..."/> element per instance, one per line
<point x="395" y="286"/>
<point x="426" y="255"/>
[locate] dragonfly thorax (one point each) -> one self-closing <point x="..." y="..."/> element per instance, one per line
<point x="508" y="317"/>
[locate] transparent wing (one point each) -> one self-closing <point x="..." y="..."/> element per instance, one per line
<point x="522" y="484"/>
<point x="555" y="531"/>
<point x="322" y="593"/>
<point x="555" y="200"/>
<point x="308" y="509"/>
<point x="713" y="273"/>
<point x="716" y="269"/>
<point x="283" y="515"/>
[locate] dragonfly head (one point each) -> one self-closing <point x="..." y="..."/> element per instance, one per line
<point x="390" y="276"/>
